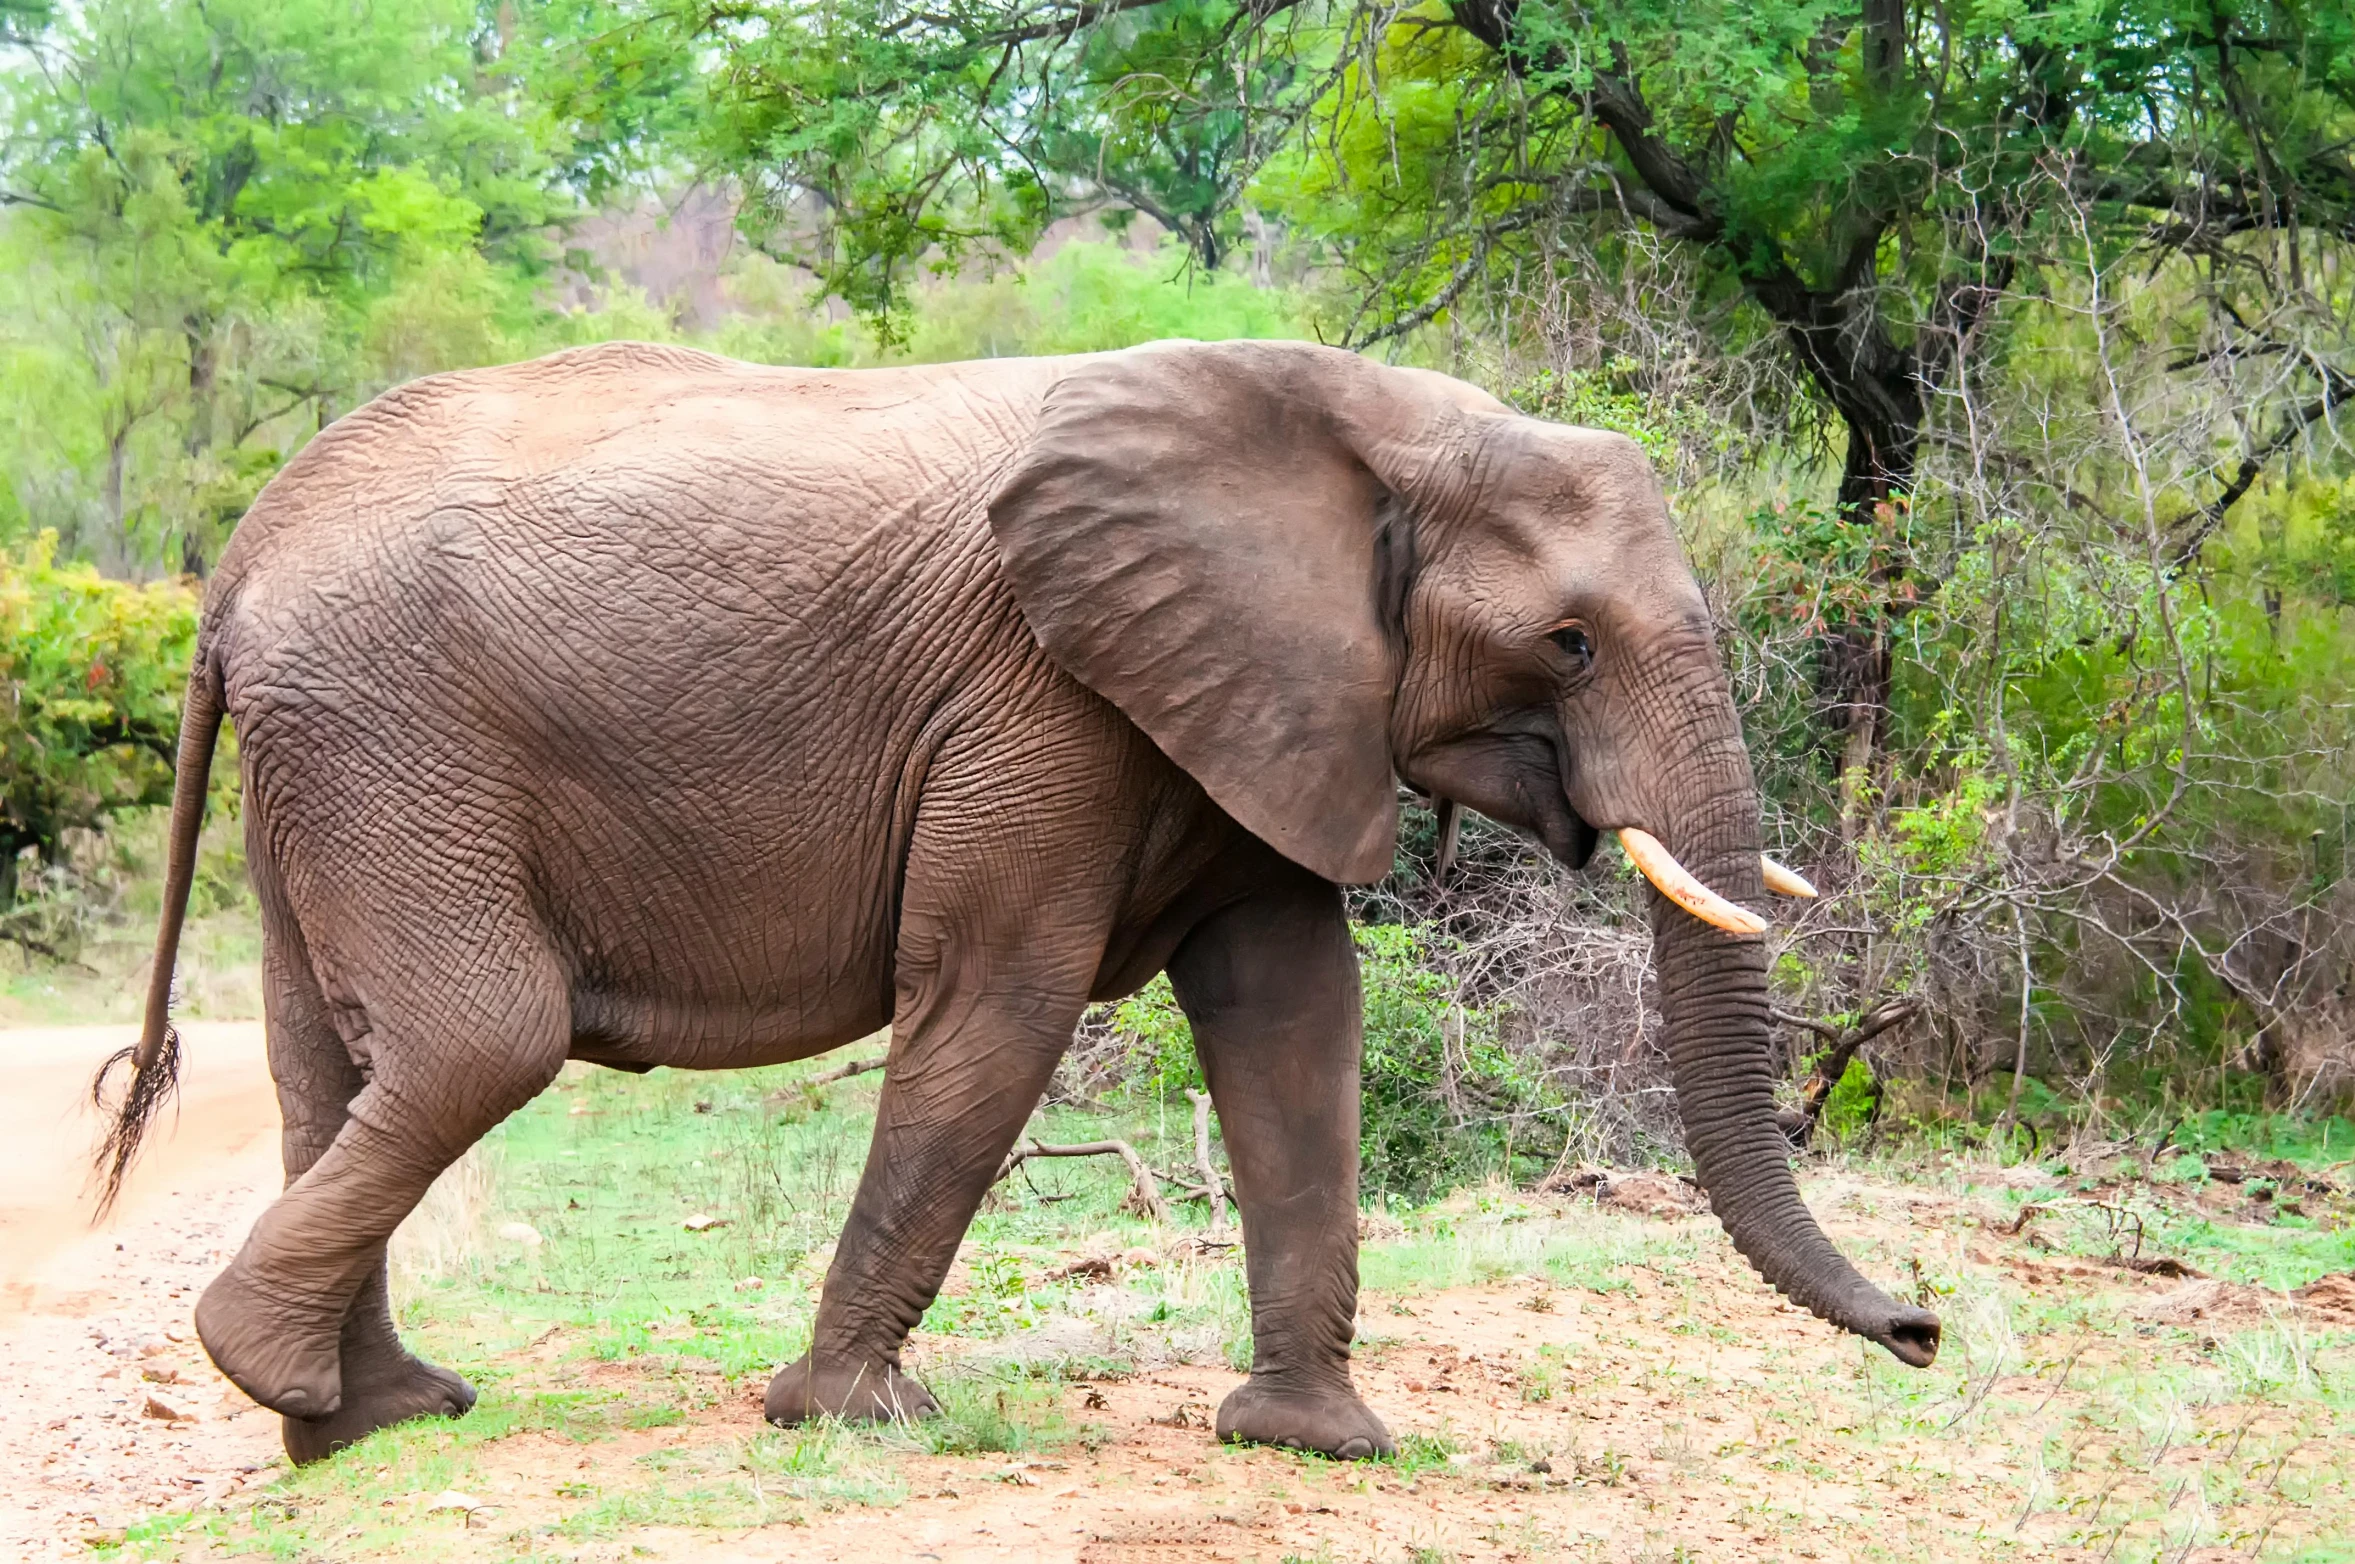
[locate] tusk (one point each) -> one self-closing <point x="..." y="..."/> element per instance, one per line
<point x="1785" y="882"/>
<point x="1674" y="881"/>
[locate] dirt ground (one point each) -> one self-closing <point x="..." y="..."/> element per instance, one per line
<point x="85" y="1311"/>
<point x="1560" y="1422"/>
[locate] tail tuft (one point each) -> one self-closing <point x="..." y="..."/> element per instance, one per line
<point x="149" y="1090"/>
<point x="155" y="1062"/>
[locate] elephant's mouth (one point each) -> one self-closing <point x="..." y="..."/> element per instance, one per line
<point x="1583" y="840"/>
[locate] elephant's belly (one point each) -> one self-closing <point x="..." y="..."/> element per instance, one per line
<point x="687" y="1032"/>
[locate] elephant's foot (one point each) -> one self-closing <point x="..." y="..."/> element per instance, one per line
<point x="862" y="1391"/>
<point x="377" y="1397"/>
<point x="287" y="1358"/>
<point x="1327" y="1418"/>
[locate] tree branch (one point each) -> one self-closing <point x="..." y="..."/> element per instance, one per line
<point x="1147" y="1194"/>
<point x="2336" y="389"/>
<point x="1798" y="1125"/>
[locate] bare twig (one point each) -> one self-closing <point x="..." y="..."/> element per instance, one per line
<point x="1146" y="1195"/>
<point x="843" y="1072"/>
<point x="1207" y="1168"/>
<point x="1799" y="1126"/>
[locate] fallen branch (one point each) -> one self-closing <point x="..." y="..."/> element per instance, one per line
<point x="1208" y="1169"/>
<point x="1146" y="1195"/>
<point x="1798" y="1125"/>
<point x="843" y="1072"/>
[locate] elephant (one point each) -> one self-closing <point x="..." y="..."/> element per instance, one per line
<point x="639" y="706"/>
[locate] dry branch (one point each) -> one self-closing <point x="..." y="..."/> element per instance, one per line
<point x="843" y="1072"/>
<point x="1147" y="1196"/>
<point x="1208" y="1169"/>
<point x="1799" y="1125"/>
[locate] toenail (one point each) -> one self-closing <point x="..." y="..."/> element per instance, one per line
<point x="1357" y="1449"/>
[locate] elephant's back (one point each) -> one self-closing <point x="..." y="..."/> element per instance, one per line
<point x="626" y="531"/>
<point x="684" y="504"/>
<point x="595" y="438"/>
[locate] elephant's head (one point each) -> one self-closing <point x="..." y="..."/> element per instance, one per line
<point x="1302" y="573"/>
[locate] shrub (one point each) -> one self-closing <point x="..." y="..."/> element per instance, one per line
<point x="92" y="671"/>
<point x="1444" y="1101"/>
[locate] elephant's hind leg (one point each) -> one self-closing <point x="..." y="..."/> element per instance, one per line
<point x="317" y="1080"/>
<point x="302" y="1319"/>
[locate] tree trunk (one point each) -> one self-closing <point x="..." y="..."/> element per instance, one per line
<point x="203" y="371"/>
<point x="1880" y="397"/>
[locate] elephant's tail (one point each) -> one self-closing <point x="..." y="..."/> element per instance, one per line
<point x="155" y="1062"/>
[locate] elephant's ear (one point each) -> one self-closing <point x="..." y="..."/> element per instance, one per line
<point x="1194" y="534"/>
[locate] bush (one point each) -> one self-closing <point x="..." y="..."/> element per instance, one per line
<point x="93" y="672"/>
<point x="1444" y="1101"/>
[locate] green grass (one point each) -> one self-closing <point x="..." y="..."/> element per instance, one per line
<point x="1489" y="1234"/>
<point x="621" y="1331"/>
<point x="607" y="1169"/>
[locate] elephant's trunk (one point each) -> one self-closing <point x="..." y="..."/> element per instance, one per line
<point x="1713" y="996"/>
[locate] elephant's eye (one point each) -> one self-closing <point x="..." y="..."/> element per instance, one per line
<point x="1575" y="644"/>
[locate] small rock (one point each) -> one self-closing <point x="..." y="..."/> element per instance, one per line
<point x="452" y="1499"/>
<point x="1087" y="1268"/>
<point x="154" y="1346"/>
<point x="702" y="1222"/>
<point x="160" y="1374"/>
<point x="1542" y="1465"/>
<point x="521" y="1233"/>
<point x="1133" y="1257"/>
<point x="164" y="1411"/>
<point x="750" y="1284"/>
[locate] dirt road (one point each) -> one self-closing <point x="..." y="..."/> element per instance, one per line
<point x="109" y="1406"/>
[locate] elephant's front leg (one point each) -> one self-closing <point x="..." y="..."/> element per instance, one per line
<point x="1270" y="985"/>
<point x="969" y="1062"/>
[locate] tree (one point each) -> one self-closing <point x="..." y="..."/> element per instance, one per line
<point x="880" y="139"/>
<point x="1875" y="180"/>
<point x="209" y="204"/>
<point x="1876" y="176"/>
<point x="92" y="670"/>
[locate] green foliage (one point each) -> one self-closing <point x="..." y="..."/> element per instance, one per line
<point x="1817" y="565"/>
<point x="226" y="223"/>
<point x="1160" y="1043"/>
<point x="1609" y="398"/>
<point x="1444" y="1101"/>
<point x="1854" y="1100"/>
<point x="937" y="137"/>
<point x="1087" y="297"/>
<point x="93" y="671"/>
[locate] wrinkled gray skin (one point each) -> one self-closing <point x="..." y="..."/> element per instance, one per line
<point x="642" y="707"/>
